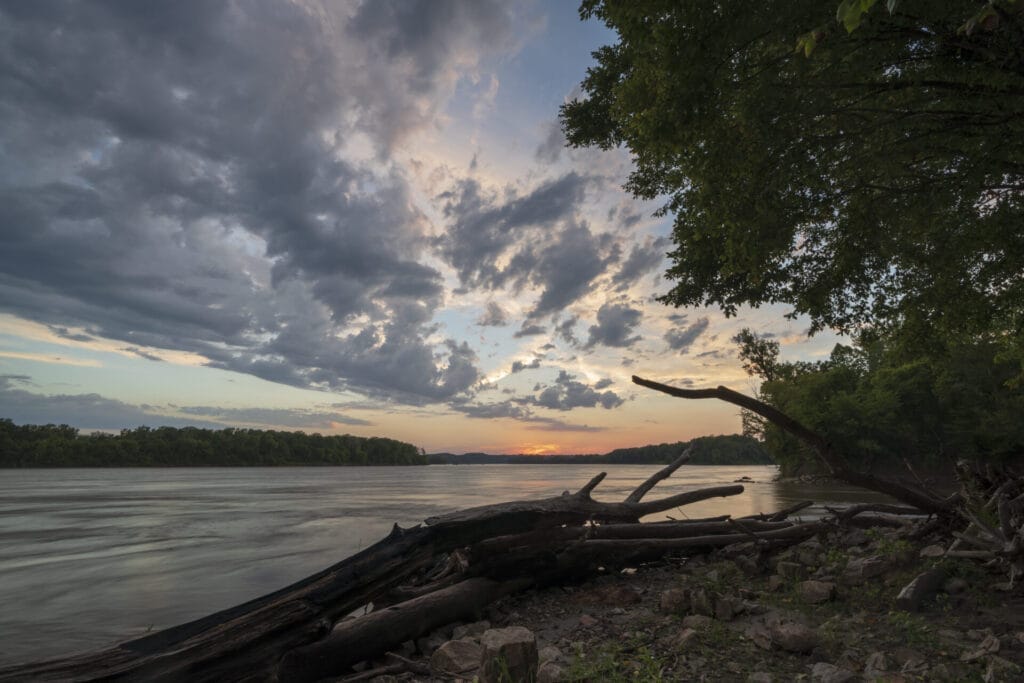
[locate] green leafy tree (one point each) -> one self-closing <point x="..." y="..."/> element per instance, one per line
<point x="872" y="179"/>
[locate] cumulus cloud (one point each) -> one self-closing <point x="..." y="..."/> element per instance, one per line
<point x="683" y="338"/>
<point x="529" y="330"/>
<point x="642" y="259"/>
<point x="278" y="417"/>
<point x="513" y="409"/>
<point x="537" y="239"/>
<point x="568" y="393"/>
<point x="174" y="177"/>
<point x="519" y="366"/>
<point x="494" y="316"/>
<point x="83" y="411"/>
<point x="615" y="323"/>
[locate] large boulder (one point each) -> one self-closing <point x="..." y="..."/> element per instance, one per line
<point x="816" y="592"/>
<point x="793" y="637"/>
<point x="508" y="654"/>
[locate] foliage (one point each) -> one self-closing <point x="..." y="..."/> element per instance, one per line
<point x="731" y="449"/>
<point x="63" y="446"/>
<point x="876" y="182"/>
<point x="880" y="406"/>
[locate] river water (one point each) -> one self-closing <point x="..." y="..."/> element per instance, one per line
<point x="90" y="557"/>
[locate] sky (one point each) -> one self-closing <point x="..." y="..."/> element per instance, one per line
<point x="336" y="217"/>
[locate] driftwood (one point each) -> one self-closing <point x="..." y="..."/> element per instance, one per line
<point x="416" y="579"/>
<point x="452" y="566"/>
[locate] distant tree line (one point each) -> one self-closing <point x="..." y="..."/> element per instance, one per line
<point x="733" y="449"/>
<point x="63" y="446"/>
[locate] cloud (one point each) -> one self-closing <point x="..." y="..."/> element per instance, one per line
<point x="177" y="178"/>
<point x="293" y="418"/>
<point x="642" y="259"/>
<point x="141" y="354"/>
<point x="509" y="409"/>
<point x="529" y="330"/>
<point x="494" y="316"/>
<point x="568" y="393"/>
<point x="519" y="366"/>
<point x="681" y="339"/>
<point x="84" y="411"/>
<point x="615" y="322"/>
<point x="550" y="149"/>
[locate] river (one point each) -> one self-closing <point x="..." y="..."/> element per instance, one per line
<point x="90" y="557"/>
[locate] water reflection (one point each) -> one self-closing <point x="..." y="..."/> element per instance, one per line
<point x="91" y="557"/>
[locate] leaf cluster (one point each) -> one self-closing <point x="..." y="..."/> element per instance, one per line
<point x="877" y="182"/>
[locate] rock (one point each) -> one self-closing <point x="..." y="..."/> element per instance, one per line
<point x="684" y="638"/>
<point x="712" y="576"/>
<point x="775" y="582"/>
<point x="747" y="565"/>
<point x="457" y="656"/>
<point x="816" y="592"/>
<point x="905" y="656"/>
<point x="674" y="601"/>
<point x="760" y="635"/>
<point x="549" y="672"/>
<point x="954" y="586"/>
<point x="876" y="665"/>
<point x="932" y="551"/>
<point x="859" y="569"/>
<point x="791" y="570"/>
<point x="508" y="654"/>
<point x="469" y="630"/>
<point x="587" y="621"/>
<point x="700" y="602"/>
<point x="1000" y="669"/>
<point x="726" y="607"/>
<point x="385" y="678"/>
<point x="808" y="557"/>
<point x="760" y="677"/>
<point x="921" y="589"/>
<point x="617" y="596"/>
<point x="856" y="537"/>
<point x="793" y="637"/>
<point x="823" y="672"/>
<point x="988" y="646"/>
<point x="428" y="644"/>
<point x="698" y="622"/>
<point x="549" y="653"/>
<point x="951" y="672"/>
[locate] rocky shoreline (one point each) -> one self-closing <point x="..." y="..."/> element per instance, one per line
<point x="832" y="609"/>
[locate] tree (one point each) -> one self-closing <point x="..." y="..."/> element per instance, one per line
<point x="874" y="180"/>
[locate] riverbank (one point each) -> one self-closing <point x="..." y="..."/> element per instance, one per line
<point x="824" y="610"/>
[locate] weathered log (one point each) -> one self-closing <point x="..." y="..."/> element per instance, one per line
<point x="911" y="495"/>
<point x="247" y="642"/>
<point x="355" y="640"/>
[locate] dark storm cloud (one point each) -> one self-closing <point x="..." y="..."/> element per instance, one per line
<point x="171" y="177"/>
<point x="568" y="393"/>
<point x="681" y="339"/>
<point x="615" y="323"/>
<point x="483" y="228"/>
<point x="642" y="259"/>
<point x="493" y="316"/>
<point x="420" y="41"/>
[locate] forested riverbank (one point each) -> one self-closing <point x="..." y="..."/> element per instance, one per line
<point x="64" y="446"/>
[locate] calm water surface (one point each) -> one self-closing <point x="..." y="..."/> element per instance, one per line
<point x="93" y="556"/>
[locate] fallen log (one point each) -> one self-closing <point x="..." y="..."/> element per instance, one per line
<point x="249" y="642"/>
<point x="910" y="494"/>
